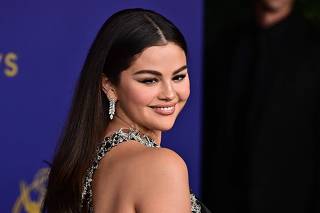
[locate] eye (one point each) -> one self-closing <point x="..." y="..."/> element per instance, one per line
<point x="179" y="77"/>
<point x="149" y="81"/>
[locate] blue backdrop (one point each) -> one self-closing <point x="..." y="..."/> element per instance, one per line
<point x="43" y="45"/>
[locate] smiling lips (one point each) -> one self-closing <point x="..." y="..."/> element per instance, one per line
<point x="164" y="110"/>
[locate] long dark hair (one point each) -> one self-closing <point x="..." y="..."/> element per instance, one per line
<point x="124" y="35"/>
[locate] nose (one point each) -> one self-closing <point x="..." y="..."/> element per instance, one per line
<point x="167" y="92"/>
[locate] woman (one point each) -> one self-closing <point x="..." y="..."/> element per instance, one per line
<point x="133" y="85"/>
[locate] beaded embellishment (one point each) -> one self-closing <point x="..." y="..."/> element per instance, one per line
<point x="195" y="205"/>
<point x="107" y="144"/>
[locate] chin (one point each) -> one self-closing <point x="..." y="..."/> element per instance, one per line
<point x="164" y="129"/>
<point x="164" y="125"/>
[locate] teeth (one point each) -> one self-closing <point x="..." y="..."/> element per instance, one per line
<point x="166" y="108"/>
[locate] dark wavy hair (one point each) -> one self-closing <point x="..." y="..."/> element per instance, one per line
<point x="124" y="35"/>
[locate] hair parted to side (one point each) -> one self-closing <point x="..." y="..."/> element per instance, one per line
<point x="124" y="35"/>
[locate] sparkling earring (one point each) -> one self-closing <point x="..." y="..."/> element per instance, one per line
<point x="112" y="108"/>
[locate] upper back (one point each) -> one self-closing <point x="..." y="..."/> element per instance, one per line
<point x="138" y="177"/>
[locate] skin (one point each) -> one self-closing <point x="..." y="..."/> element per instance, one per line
<point x="158" y="77"/>
<point x="132" y="177"/>
<point x="270" y="12"/>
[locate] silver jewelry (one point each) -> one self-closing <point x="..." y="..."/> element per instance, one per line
<point x="112" y="108"/>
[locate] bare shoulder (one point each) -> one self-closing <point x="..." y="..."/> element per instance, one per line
<point x="159" y="181"/>
<point x="139" y="162"/>
<point x="138" y="157"/>
<point x="145" y="179"/>
<point x="159" y="161"/>
<point x="167" y="161"/>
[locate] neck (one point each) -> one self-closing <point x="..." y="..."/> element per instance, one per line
<point x="120" y="121"/>
<point x="267" y="17"/>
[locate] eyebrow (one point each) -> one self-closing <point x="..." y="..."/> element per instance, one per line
<point x="154" y="72"/>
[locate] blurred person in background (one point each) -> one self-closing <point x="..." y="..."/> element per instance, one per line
<point x="262" y="99"/>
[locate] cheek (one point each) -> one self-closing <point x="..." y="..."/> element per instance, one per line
<point x="137" y="95"/>
<point x="183" y="90"/>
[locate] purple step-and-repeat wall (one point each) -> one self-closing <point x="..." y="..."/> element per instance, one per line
<point x="43" y="45"/>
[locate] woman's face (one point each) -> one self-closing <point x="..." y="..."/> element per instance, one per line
<point x="154" y="89"/>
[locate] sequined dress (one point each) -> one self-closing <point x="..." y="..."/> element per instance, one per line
<point x="108" y="143"/>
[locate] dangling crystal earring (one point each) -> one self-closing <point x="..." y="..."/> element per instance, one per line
<point x="112" y="108"/>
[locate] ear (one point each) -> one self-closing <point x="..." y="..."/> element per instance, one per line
<point x="108" y="88"/>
